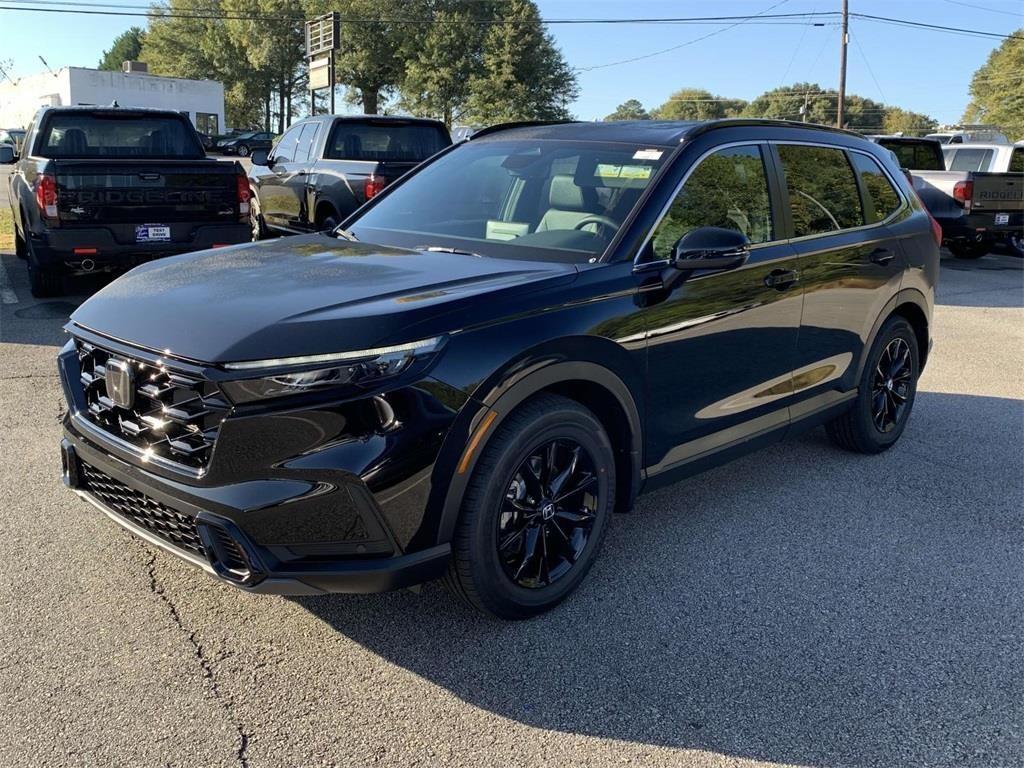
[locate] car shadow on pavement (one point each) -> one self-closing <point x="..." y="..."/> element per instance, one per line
<point x="802" y="605"/>
<point x="994" y="280"/>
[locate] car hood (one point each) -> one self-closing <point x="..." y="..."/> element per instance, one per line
<point x="305" y="295"/>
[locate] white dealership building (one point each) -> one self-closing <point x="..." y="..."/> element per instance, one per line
<point x="201" y="100"/>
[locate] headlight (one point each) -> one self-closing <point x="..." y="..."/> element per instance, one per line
<point x="358" y="368"/>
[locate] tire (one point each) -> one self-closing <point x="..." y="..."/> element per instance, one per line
<point x="20" y="249"/>
<point x="968" y="250"/>
<point x="43" y="282"/>
<point x="882" y="384"/>
<point x="329" y="223"/>
<point x="1016" y="245"/>
<point x="243" y="150"/>
<point x="512" y="583"/>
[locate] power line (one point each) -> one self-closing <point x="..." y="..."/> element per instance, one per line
<point x="936" y="27"/>
<point x="1018" y="14"/>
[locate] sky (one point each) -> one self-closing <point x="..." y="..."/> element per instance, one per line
<point x="921" y="70"/>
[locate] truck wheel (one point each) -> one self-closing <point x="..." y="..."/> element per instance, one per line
<point x="1016" y="244"/>
<point x="43" y="282"/>
<point x="968" y="250"/>
<point x="535" y="511"/>
<point x="243" y="150"/>
<point x="886" y="393"/>
<point x="329" y="223"/>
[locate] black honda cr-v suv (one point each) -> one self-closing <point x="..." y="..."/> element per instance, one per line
<point x="479" y="366"/>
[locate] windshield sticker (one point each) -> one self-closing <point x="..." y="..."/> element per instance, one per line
<point x="610" y="171"/>
<point x="647" y="154"/>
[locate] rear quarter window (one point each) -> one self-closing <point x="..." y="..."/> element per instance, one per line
<point x="1017" y="160"/>
<point x="822" y="190"/>
<point x="964" y="159"/>
<point x="882" y="198"/>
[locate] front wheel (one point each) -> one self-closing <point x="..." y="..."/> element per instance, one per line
<point x="886" y="394"/>
<point x="536" y="510"/>
<point x="243" y="151"/>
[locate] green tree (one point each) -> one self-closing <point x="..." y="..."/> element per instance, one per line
<point x="524" y="76"/>
<point x="629" y="110"/>
<point x="997" y="88"/>
<point x="898" y="120"/>
<point x="697" y="104"/>
<point x="126" y="47"/>
<point x="445" y="60"/>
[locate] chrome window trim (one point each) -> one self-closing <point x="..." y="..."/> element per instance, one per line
<point x="904" y="203"/>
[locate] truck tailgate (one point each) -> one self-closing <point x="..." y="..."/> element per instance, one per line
<point x="997" y="192"/>
<point x="119" y="194"/>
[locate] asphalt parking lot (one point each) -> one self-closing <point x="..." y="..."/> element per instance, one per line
<point x="802" y="606"/>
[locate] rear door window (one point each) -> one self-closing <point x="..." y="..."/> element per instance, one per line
<point x="966" y="159"/>
<point x="385" y="141"/>
<point x="822" y="190"/>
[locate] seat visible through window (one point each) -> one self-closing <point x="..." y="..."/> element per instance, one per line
<point x="568" y="205"/>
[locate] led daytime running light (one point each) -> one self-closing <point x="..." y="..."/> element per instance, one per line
<point x="426" y="345"/>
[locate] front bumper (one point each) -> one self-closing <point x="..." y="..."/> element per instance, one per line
<point x="218" y="545"/>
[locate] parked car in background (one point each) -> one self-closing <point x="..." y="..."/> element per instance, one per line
<point x="503" y="347"/>
<point x="993" y="206"/>
<point x="244" y="144"/>
<point x="974" y="135"/>
<point x="325" y="167"/>
<point x="106" y="188"/>
<point x="914" y="154"/>
<point x="944" y="193"/>
<point x="14" y="137"/>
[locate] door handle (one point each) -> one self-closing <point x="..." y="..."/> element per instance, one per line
<point x="881" y="256"/>
<point x="781" y="279"/>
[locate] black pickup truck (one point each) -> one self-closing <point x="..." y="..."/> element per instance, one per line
<point x="104" y="189"/>
<point x="324" y="167"/>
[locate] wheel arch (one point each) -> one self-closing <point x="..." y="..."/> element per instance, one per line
<point x="912" y="305"/>
<point x="596" y="387"/>
<point x="324" y="208"/>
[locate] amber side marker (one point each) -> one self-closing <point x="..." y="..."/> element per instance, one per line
<point x="475" y="441"/>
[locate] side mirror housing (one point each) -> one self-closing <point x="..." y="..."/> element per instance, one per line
<point x="259" y="157"/>
<point x="7" y="155"/>
<point x="710" y="248"/>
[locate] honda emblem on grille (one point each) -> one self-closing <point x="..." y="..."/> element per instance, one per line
<point x="120" y="381"/>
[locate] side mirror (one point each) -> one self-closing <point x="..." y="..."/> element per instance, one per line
<point x="710" y="248"/>
<point x="259" y="157"/>
<point x="6" y="154"/>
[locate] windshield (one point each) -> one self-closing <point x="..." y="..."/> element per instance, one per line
<point x="545" y="200"/>
<point x="77" y="134"/>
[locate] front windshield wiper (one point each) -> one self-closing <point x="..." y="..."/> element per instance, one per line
<point x="444" y="249"/>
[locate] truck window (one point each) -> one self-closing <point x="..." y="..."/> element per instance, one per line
<point x="284" y="150"/>
<point x="1017" y="160"/>
<point x="967" y="159"/>
<point x="823" y="194"/>
<point x="916" y="155"/>
<point x="306" y="140"/>
<point x="127" y="135"/>
<point x="384" y="141"/>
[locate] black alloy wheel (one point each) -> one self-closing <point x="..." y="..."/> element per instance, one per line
<point x="243" y="150"/>
<point x="547" y="513"/>
<point x="890" y="386"/>
<point x="878" y="415"/>
<point x="535" y="509"/>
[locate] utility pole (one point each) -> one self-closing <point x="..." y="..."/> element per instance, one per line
<point x="841" y="109"/>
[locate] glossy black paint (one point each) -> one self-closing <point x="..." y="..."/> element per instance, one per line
<point x="683" y="377"/>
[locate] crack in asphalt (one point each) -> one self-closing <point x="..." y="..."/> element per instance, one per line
<point x="205" y="664"/>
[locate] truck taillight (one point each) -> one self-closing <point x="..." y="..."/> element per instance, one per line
<point x="373" y="185"/>
<point x="244" y="195"/>
<point x="962" y="193"/>
<point x="46" y="195"/>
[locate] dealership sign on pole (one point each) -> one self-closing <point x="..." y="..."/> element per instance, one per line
<point x="322" y="39"/>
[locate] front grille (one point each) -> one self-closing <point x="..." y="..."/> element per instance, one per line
<point x="175" y="528"/>
<point x="169" y="414"/>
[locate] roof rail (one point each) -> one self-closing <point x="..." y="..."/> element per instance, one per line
<point x="767" y="122"/>
<point x="517" y="124"/>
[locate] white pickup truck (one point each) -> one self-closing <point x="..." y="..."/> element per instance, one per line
<point x="978" y="199"/>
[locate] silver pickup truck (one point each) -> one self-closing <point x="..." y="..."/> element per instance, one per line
<point x="324" y="167"/>
<point x="977" y="199"/>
